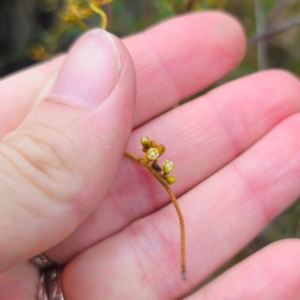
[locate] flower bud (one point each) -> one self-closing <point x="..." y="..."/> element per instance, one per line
<point x="170" y="179"/>
<point x="152" y="154"/>
<point x="143" y="160"/>
<point x="154" y="144"/>
<point x="167" y="166"/>
<point x="145" y="141"/>
<point x="162" y="149"/>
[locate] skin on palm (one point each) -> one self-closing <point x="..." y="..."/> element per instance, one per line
<point x="243" y="186"/>
<point x="143" y="259"/>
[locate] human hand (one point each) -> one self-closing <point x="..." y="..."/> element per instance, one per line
<point x="236" y="156"/>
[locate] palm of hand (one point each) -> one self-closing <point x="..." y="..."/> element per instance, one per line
<point x="237" y="166"/>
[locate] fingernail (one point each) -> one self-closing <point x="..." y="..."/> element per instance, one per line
<point x="90" y="71"/>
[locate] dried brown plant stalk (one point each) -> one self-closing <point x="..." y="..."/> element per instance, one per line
<point x="153" y="151"/>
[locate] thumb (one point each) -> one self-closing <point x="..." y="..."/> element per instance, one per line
<point x="62" y="159"/>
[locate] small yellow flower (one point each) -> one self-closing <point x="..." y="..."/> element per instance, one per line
<point x="152" y="153"/>
<point x="167" y="166"/>
<point x="170" y="179"/>
<point x="38" y="52"/>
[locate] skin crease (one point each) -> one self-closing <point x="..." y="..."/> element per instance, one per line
<point x="231" y="182"/>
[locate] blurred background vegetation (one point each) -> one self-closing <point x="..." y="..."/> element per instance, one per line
<point x="34" y="30"/>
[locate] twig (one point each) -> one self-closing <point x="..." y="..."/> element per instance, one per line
<point x="260" y="28"/>
<point x="269" y="33"/>
<point x="174" y="201"/>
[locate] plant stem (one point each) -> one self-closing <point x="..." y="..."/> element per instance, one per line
<point x="175" y="203"/>
<point x="101" y="13"/>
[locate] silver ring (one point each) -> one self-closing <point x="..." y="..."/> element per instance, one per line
<point x="50" y="286"/>
<point x="43" y="262"/>
<point x="42" y="292"/>
<point x="54" y="284"/>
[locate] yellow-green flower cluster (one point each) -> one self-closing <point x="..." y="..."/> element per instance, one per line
<point x="153" y="152"/>
<point x="77" y="11"/>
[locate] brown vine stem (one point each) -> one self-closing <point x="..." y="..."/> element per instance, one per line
<point x="178" y="210"/>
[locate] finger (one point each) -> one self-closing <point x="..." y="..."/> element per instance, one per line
<point x="222" y="215"/>
<point x="272" y="273"/>
<point x="201" y="137"/>
<point x="19" y="282"/>
<point x="173" y="61"/>
<point x="62" y="159"/>
<point x="184" y="56"/>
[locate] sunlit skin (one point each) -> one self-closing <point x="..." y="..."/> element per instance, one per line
<point x="237" y="157"/>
